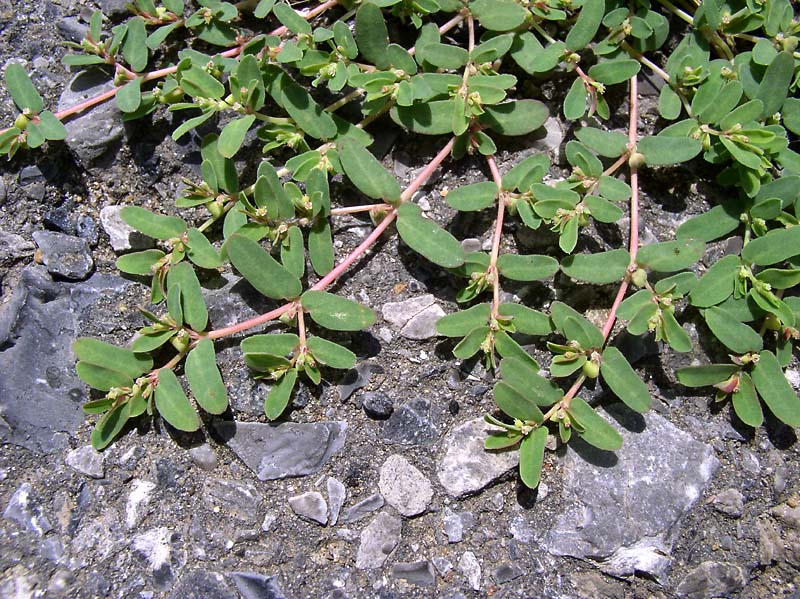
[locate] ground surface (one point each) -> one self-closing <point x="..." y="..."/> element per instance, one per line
<point x="692" y="506"/>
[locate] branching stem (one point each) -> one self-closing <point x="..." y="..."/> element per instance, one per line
<point x="498" y="231"/>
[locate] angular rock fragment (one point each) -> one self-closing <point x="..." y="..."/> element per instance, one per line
<point x="404" y="487"/>
<point x="378" y="540"/>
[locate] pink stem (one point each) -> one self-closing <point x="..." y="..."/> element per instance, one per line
<point x="498" y="232"/>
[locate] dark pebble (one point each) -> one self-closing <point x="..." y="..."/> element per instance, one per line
<point x="378" y="405"/>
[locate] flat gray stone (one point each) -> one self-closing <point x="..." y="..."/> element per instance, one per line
<point x="404" y="487"/>
<point x="423" y="324"/>
<point x="95" y="133"/>
<point x="257" y="586"/>
<point x="86" y="460"/>
<point x="64" y="255"/>
<point x="456" y="524"/>
<point x="14" y="247"/>
<point x="471" y="569"/>
<point x="622" y="510"/>
<point x="161" y="547"/>
<point x="202" y="584"/>
<point x="466" y="466"/>
<point x="729" y="502"/>
<point x="24" y="509"/>
<point x="336" y="496"/>
<point x="311" y="506"/>
<point x="420" y="574"/>
<point x="275" y="451"/>
<point x="203" y="456"/>
<point x="122" y="236"/>
<point x="399" y="313"/>
<point x="138" y="502"/>
<point x="41" y="404"/>
<point x="378" y="540"/>
<point x="363" y="508"/>
<point x="238" y="498"/>
<point x="506" y="573"/>
<point x="710" y="580"/>
<point x="413" y="423"/>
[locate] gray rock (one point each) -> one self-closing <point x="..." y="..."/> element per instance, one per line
<point x="356" y="378"/>
<point x="363" y="508"/>
<point x="122" y="236"/>
<point x="443" y="565"/>
<point x="336" y="496"/>
<point x="114" y="8"/>
<point x="30" y="174"/>
<point x="204" y="457"/>
<point x="506" y="573"/>
<point x="72" y="30"/>
<point x="138" y="501"/>
<point x="729" y="502"/>
<point x="466" y="466"/>
<point x="257" y="586"/>
<point x="311" y="506"/>
<point x="404" y="487"/>
<point x="64" y="255"/>
<point x="592" y="585"/>
<point x="420" y="574"/>
<point x="471" y="569"/>
<point x="623" y="510"/>
<point x="238" y="498"/>
<point x="86" y="228"/>
<point x="378" y="540"/>
<point x="86" y="460"/>
<point x="712" y="579"/>
<point x="24" y="509"/>
<point x="377" y="405"/>
<point x="788" y="515"/>
<point x="414" y="317"/>
<point x="549" y="138"/>
<point x="14" y="247"/>
<point x="161" y="548"/>
<point x="413" y="423"/>
<point x="275" y="451"/>
<point x="96" y="133"/>
<point x="456" y="524"/>
<point x="202" y="584"/>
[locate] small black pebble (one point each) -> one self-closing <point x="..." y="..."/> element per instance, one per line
<point x="378" y="405"/>
<point x="453" y="407"/>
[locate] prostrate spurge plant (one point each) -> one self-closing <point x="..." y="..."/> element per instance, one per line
<point x="726" y="86"/>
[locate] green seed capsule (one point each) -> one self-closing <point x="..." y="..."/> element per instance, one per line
<point x="591" y="370"/>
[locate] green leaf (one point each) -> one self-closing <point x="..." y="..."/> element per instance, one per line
<point x="525" y="320"/>
<point x="147" y="343"/>
<point x="508" y="348"/>
<point x="775" y="390"/>
<point x="780" y="278"/>
<point x="614" y="190"/>
<point x="195" y="313"/>
<point x="459" y="324"/>
<point x="204" y="378"/>
<point x="232" y="136"/>
<point x="98" y="377"/>
<point x="670" y="256"/>
<point x="610" y="144"/>
<point x="190" y="124"/>
<point x="270" y="194"/>
<point x="293" y="254"/>
<point x="277" y="344"/>
<point x="669" y="103"/>
<point x="623" y="380"/>
<point x="279" y="395"/>
<point x="675" y="334"/>
<point x="429" y="118"/>
<point x="737" y="337"/>
<point x="597" y="431"/>
<point x="602" y="210"/>
<point x="471" y="344"/>
<point x="139" y="263"/>
<point x="662" y="150"/>
<point x="337" y="313"/>
<point x="21" y="89"/>
<point x="290" y="19"/>
<point x="427" y="238"/>
<point x="711" y="225"/>
<point x="445" y="56"/>
<point x="200" y="250"/>
<point x="110" y="425"/>
<point x="530" y="267"/>
<point x="111" y="357"/>
<point x="305" y="111"/>
<point x="600" y="268"/>
<point x="523" y="376"/>
<point x="717" y="284"/>
<point x="611" y="72"/>
<point x="475" y="196"/>
<point x="561" y="366"/>
<point x="198" y="83"/>
<point x="515" y="404"/>
<point x="498" y="15"/>
<point x="366" y="173"/>
<point x="331" y="354"/>
<point x="776" y="246"/>
<point x="153" y="225"/>
<point x="155" y="39"/>
<point x="516" y="117"/>
<point x="590" y="335"/>
<point x="531" y="457"/>
<point x="745" y="402"/>
<point x="261" y="270"/>
<point x="172" y="403"/>
<point x="372" y="36"/>
<point x="499" y="440"/>
<point x="586" y="26"/>
<point x="129" y="96"/>
<point x="775" y="84"/>
<point x="134" y="46"/>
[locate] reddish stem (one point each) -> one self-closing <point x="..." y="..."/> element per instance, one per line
<point x="498" y="231"/>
